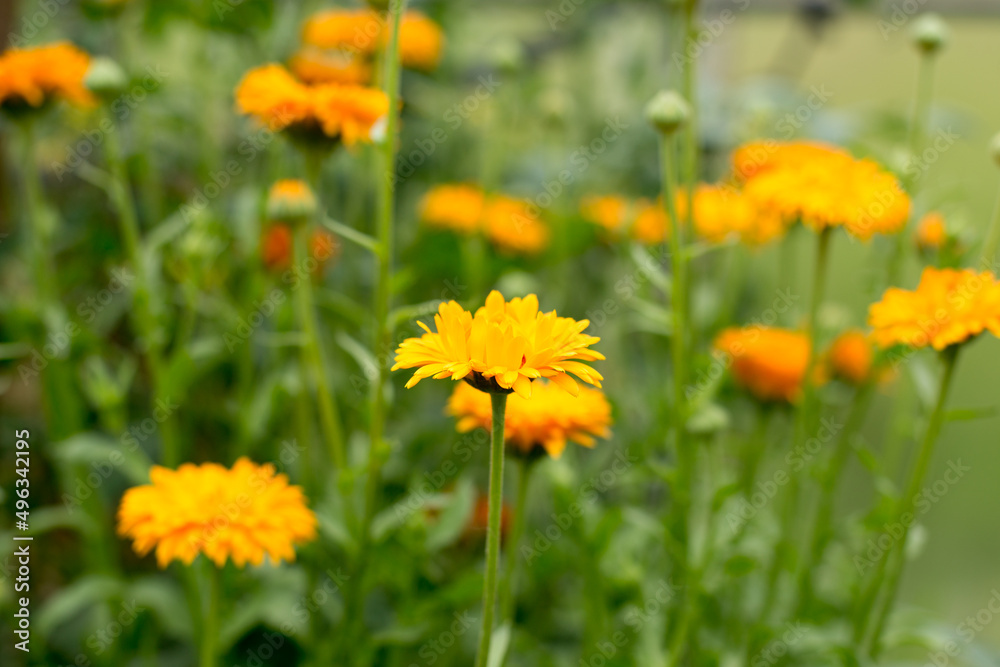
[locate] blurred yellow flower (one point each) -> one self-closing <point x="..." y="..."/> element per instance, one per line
<point x="33" y="76"/>
<point x="314" y="65"/>
<point x="510" y="225"/>
<point x="850" y="357"/>
<point x="948" y="307"/>
<point x="276" y="98"/>
<point x="458" y="207"/>
<point x="931" y="232"/>
<point x="360" y="32"/>
<point x="502" y="348"/>
<point x="652" y="225"/>
<point x="609" y="211"/>
<point x="290" y="199"/>
<point x="822" y="186"/>
<point x="769" y="362"/>
<point x="241" y="513"/>
<point x="548" y="419"/>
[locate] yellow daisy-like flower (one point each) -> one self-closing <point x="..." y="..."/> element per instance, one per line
<point x="241" y="513"/>
<point x="338" y="111"/>
<point x="931" y="232"/>
<point x="314" y="65"/>
<point x="502" y="348"/>
<point x="33" y="76"/>
<point x="512" y="227"/>
<point x="822" y="187"/>
<point x="548" y="419"/>
<point x="609" y="211"/>
<point x="948" y="307"/>
<point x="361" y="32"/>
<point x="770" y="363"/>
<point x="457" y="207"/>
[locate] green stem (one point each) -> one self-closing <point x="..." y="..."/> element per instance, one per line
<point x="988" y="256"/>
<point x="499" y="403"/>
<point x="905" y="515"/>
<point x="756" y="449"/>
<point x="143" y="319"/>
<point x="507" y="588"/>
<point x="209" y="649"/>
<point x="313" y="361"/>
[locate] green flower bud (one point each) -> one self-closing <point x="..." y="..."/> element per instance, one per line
<point x="105" y="77"/>
<point x="291" y="201"/>
<point x="668" y="111"/>
<point x="930" y="33"/>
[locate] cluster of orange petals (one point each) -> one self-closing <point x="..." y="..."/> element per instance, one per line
<point x="341" y="43"/>
<point x="508" y="342"/>
<point x="279" y="100"/>
<point x="932" y="233"/>
<point x="822" y="186"/>
<point x="948" y="307"/>
<point x="849" y="358"/>
<point x="277" y="246"/>
<point x="510" y="224"/>
<point x="770" y="363"/>
<point x="720" y="213"/>
<point x="243" y="513"/>
<point x="549" y="419"/>
<point x="33" y="76"/>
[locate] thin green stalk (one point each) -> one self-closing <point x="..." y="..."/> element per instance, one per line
<point x="691" y="95"/>
<point x="988" y="256"/>
<point x="313" y="361"/>
<point x="143" y="319"/>
<point x="756" y="448"/>
<point x="209" y="647"/>
<point x="828" y="490"/>
<point x="507" y="587"/>
<point x="905" y="514"/>
<point x="499" y="403"/>
<point x="473" y="261"/>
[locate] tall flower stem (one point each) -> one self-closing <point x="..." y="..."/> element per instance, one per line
<point x="146" y="328"/>
<point x="65" y="413"/>
<point x="312" y="357"/>
<point x="208" y="651"/>
<point x="507" y="588"/>
<point x="499" y="404"/>
<point x="688" y="77"/>
<point x="988" y="256"/>
<point x="891" y="576"/>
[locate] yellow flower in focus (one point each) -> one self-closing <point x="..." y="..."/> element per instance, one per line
<point x="33" y="76"/>
<point x="850" y="357"/>
<point x="339" y="111"/>
<point x="548" y="419"/>
<point x="822" y="187"/>
<point x="609" y="211"/>
<point x="931" y="232"/>
<point x="948" y="307"/>
<point x="770" y="363"/>
<point x="360" y="32"/>
<point x="314" y="65"/>
<point x="457" y="207"/>
<point x="241" y="513"/>
<point x="503" y="347"/>
<point x="510" y="225"/>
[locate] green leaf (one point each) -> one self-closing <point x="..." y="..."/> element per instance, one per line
<point x="360" y="353"/>
<point x="90" y="448"/>
<point x="160" y="595"/>
<point x="709" y="418"/>
<point x="969" y="414"/>
<point x="499" y="643"/>
<point x="74" y="599"/>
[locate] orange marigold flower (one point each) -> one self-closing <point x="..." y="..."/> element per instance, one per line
<point x="548" y="419"/>
<point x="511" y="226"/>
<point x="948" y="307"/>
<point x="340" y="111"/>
<point x="458" y="207"/>
<point x="652" y="225"/>
<point x="361" y="31"/>
<point x="314" y="65"/>
<point x="277" y="247"/>
<point x="822" y="186"/>
<point x="190" y="510"/>
<point x="421" y="42"/>
<point x="503" y="347"/>
<point x="33" y="76"/>
<point x="850" y="357"/>
<point x="769" y="362"/>
<point x="609" y="211"/>
<point x="931" y="233"/>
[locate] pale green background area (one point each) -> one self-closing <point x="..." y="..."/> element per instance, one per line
<point x="960" y="566"/>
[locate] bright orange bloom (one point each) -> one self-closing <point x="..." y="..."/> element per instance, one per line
<point x="313" y="65"/>
<point x="361" y="32"/>
<point x="511" y="226"/>
<point x="822" y="186"/>
<point x="850" y="357"/>
<point x="30" y="77"/>
<point x="652" y="224"/>
<point x="548" y="419"/>
<point x="457" y="207"/>
<point x="770" y="363"/>
<point x="609" y="211"/>
<point x="277" y="247"/>
<point x="241" y="513"/>
<point x="931" y="233"/>
<point x="949" y="306"/>
<point x="503" y="347"/>
<point x="346" y="112"/>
